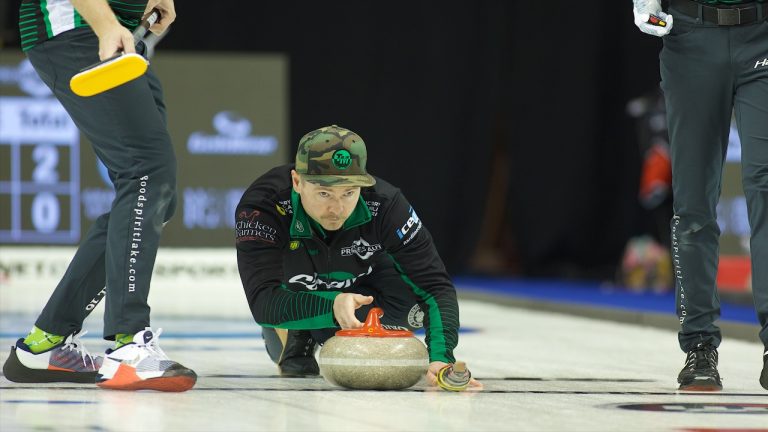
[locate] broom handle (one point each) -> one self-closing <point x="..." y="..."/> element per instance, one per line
<point x="145" y="24"/>
<point x="142" y="33"/>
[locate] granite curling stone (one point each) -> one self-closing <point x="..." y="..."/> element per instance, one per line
<point x="373" y="358"/>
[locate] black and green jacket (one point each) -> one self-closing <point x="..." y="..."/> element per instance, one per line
<point x="291" y="275"/>
<point x="40" y="20"/>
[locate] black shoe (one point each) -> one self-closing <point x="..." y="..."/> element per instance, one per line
<point x="700" y="371"/>
<point x="298" y="356"/>
<point x="764" y="374"/>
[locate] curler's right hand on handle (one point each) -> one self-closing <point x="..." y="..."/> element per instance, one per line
<point x="167" y="12"/>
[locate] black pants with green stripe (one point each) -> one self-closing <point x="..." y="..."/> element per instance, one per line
<point x="127" y="128"/>
<point x="709" y="72"/>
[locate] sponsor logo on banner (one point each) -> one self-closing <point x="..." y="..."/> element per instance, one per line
<point x="210" y="208"/>
<point x="233" y="137"/>
<point x="249" y="228"/>
<point x="46" y="267"/>
<point x="361" y="248"/>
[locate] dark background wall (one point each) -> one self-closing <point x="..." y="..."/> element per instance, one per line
<point x="502" y="121"/>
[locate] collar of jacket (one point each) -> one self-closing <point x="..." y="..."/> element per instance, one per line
<point x="301" y="224"/>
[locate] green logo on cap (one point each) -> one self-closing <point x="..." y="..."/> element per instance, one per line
<point x="341" y="159"/>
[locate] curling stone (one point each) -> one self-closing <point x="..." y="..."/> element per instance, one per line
<point x="373" y="358"/>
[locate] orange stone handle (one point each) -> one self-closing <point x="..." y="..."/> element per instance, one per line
<point x="373" y="328"/>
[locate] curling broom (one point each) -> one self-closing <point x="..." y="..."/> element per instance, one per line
<point x="120" y="68"/>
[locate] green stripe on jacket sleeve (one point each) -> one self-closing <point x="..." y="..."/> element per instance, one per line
<point x="299" y="310"/>
<point x="441" y="338"/>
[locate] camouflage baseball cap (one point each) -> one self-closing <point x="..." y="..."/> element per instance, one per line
<point x="333" y="156"/>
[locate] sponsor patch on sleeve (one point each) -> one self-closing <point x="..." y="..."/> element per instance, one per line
<point x="249" y="227"/>
<point x="410" y="228"/>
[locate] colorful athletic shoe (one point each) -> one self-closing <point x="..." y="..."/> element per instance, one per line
<point x="68" y="362"/>
<point x="700" y="371"/>
<point x="142" y="365"/>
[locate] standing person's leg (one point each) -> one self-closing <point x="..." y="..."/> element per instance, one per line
<point x="698" y="91"/>
<point x="751" y="106"/>
<point x="128" y="132"/>
<point x="84" y="284"/>
<point x="697" y="84"/>
<point x="81" y="288"/>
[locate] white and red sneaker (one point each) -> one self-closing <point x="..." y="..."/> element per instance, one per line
<point x="142" y="365"/>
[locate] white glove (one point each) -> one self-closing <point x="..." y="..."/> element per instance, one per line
<point x="643" y="10"/>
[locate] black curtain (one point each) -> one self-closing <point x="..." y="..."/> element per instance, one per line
<point x="573" y="158"/>
<point x="442" y="90"/>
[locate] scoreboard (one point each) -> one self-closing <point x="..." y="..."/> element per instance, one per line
<point x="39" y="182"/>
<point x="227" y="117"/>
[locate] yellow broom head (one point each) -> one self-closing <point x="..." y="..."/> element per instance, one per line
<point x="108" y="74"/>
